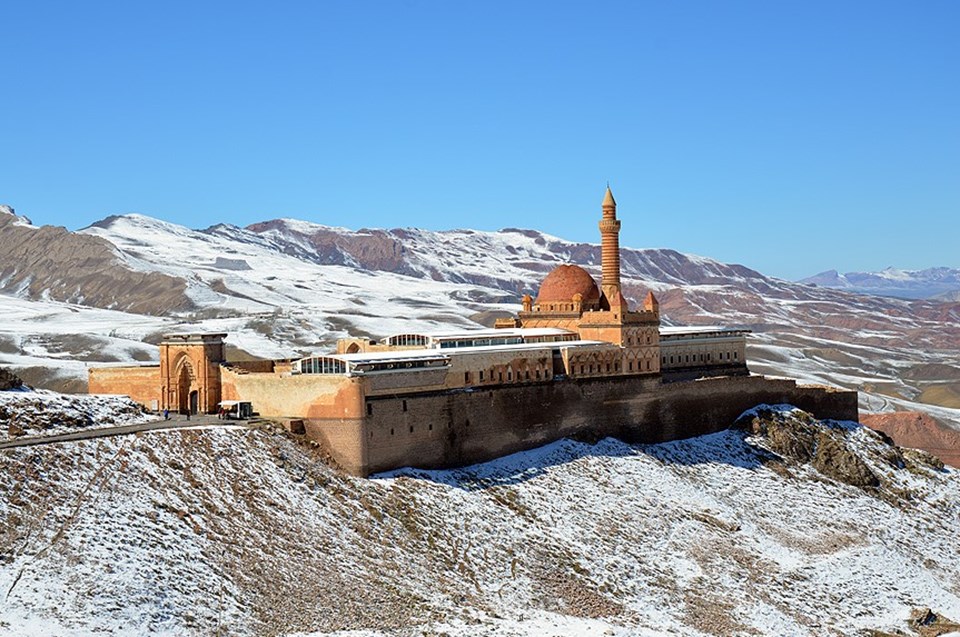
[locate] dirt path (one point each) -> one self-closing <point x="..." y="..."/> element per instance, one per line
<point x="178" y="422"/>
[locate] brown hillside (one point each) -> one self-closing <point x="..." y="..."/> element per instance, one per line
<point x="52" y="262"/>
<point x="919" y="431"/>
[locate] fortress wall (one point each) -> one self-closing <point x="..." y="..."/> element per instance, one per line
<point x="343" y="439"/>
<point x="298" y="396"/>
<point x="706" y="371"/>
<point x="458" y="428"/>
<point x="140" y="383"/>
<point x="331" y="407"/>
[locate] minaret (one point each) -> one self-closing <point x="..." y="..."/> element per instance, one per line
<point x="610" y="254"/>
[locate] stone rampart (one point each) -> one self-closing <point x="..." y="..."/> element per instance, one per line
<point x="331" y="407"/>
<point x="455" y="428"/>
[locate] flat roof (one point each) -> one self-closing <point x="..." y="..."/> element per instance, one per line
<point x="681" y="330"/>
<point x="435" y="354"/>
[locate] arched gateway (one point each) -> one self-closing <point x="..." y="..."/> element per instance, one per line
<point x="189" y="372"/>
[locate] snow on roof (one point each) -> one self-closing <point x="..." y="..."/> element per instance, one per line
<point x="490" y="333"/>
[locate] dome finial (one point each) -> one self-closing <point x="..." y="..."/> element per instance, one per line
<point x="608" y="200"/>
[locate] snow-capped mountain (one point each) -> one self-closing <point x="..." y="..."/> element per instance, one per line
<point x="285" y="287"/>
<point x="909" y="284"/>
<point x="791" y="527"/>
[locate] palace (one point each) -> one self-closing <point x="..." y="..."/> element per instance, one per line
<point x="576" y="361"/>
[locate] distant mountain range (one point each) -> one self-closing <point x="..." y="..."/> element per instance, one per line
<point x="932" y="283"/>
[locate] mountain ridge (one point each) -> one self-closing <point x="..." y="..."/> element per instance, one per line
<point x="930" y="283"/>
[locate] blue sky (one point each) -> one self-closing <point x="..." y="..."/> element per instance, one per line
<point x="792" y="137"/>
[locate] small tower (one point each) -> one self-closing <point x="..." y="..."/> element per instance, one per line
<point x="610" y="255"/>
<point x="651" y="304"/>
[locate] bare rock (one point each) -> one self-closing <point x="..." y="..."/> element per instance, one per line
<point x="8" y="380"/>
<point x="835" y="459"/>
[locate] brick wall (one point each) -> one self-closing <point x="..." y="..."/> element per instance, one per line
<point x="142" y="384"/>
<point x="455" y="428"/>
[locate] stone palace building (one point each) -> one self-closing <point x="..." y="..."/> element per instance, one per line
<point x="576" y="361"/>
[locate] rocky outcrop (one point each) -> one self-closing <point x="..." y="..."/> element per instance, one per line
<point x="9" y="381"/>
<point x="367" y="249"/>
<point x="797" y="436"/>
<point x="928" y="623"/>
<point x="49" y="262"/>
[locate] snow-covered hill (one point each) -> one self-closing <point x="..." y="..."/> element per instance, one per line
<point x="908" y="284"/>
<point x="248" y="532"/>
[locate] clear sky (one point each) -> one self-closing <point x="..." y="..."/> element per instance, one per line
<point x="791" y="137"/>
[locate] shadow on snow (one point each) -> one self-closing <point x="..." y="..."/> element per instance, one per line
<point x="729" y="447"/>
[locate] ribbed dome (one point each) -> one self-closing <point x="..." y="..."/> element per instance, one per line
<point x="564" y="282"/>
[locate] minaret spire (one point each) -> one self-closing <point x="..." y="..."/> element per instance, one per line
<point x="610" y="251"/>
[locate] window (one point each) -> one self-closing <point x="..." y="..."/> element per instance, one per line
<point x="408" y="340"/>
<point x="630" y="366"/>
<point x="481" y="375"/>
<point x="411" y="428"/>
<point x="320" y="365"/>
<point x="404" y="405"/>
<point x="391" y="431"/>
<point x="538" y="374"/>
<point x="466" y="378"/>
<point x="510" y="374"/>
<point x="369" y="409"/>
<point x="581" y="369"/>
<point x="648" y="365"/>
<point x="735" y="356"/>
<point x="430" y="426"/>
<point x="528" y="374"/>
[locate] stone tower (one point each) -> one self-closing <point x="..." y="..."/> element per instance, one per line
<point x="612" y="298"/>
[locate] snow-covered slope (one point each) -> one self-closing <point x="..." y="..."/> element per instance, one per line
<point x="248" y="532"/>
<point x="908" y="284"/>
